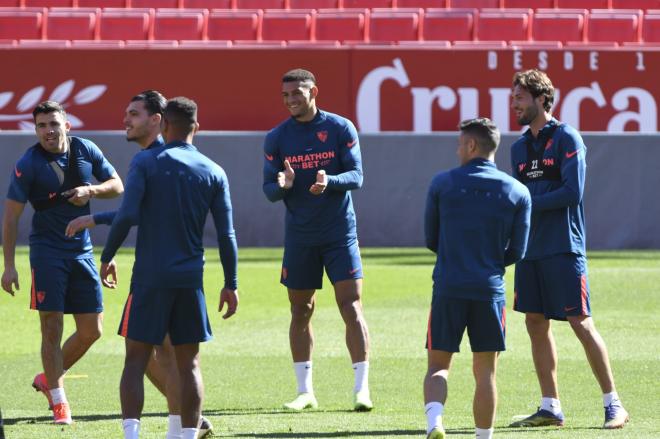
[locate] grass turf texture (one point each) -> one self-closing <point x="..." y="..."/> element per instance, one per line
<point x="248" y="373"/>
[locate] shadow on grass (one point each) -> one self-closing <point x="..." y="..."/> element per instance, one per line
<point x="117" y="416"/>
<point x="86" y="418"/>
<point x="382" y="433"/>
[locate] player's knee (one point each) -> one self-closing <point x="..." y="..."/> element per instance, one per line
<point x="536" y="324"/>
<point x="582" y="325"/>
<point x="302" y="311"/>
<point x="91" y="334"/>
<point x="350" y="309"/>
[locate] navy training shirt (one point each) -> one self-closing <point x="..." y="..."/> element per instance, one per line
<point x="477" y="221"/>
<point x="553" y="167"/>
<point x="33" y="179"/>
<point x="169" y="193"/>
<point x="108" y="216"/>
<point x="329" y="142"/>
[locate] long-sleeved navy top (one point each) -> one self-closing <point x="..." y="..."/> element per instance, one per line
<point x="553" y="167"/>
<point x="477" y="221"/>
<point x="328" y="142"/>
<point x="169" y="192"/>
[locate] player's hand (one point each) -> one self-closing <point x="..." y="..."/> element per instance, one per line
<point x="9" y="278"/>
<point x="286" y="177"/>
<point x="78" y="196"/>
<point x="321" y="183"/>
<point x="230" y="297"/>
<point x="109" y="274"/>
<point x="78" y="224"/>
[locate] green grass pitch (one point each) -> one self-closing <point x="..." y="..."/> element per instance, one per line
<point x="248" y="373"/>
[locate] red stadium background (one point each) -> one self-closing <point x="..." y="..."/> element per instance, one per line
<point x="381" y="89"/>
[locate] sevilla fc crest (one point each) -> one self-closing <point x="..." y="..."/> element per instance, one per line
<point x="322" y="135"/>
<point x="41" y="295"/>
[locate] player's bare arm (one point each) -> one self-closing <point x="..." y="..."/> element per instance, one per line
<point x="229" y="297"/>
<point x="321" y="183"/>
<point x="109" y="274"/>
<point x="285" y="178"/>
<point x="13" y="211"/>
<point x="78" y="224"/>
<point x="81" y="195"/>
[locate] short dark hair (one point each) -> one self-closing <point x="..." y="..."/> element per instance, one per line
<point x="47" y="107"/>
<point x="537" y="83"/>
<point x="154" y="101"/>
<point x="299" y="75"/>
<point x="484" y="131"/>
<point x="181" y="113"/>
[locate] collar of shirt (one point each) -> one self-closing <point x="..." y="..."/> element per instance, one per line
<point x="480" y="161"/>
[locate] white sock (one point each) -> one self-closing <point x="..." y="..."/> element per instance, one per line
<point x="361" y="376"/>
<point x="190" y="433"/>
<point x="303" y="371"/>
<point x="58" y="395"/>
<point x="609" y="398"/>
<point x="433" y="412"/>
<point x="131" y="428"/>
<point x="484" y="433"/>
<point x="551" y="404"/>
<point x="173" y="427"/>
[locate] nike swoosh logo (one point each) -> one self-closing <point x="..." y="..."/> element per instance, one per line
<point x="353" y="271"/>
<point x="567" y="309"/>
<point x="269" y="157"/>
<point x="352" y="143"/>
<point x="17" y="172"/>
<point x="571" y="154"/>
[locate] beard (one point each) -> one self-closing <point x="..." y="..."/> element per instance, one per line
<point x="528" y="116"/>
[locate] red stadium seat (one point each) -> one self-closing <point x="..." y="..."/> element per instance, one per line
<point x="348" y="25"/>
<point x="101" y="3"/>
<point x="613" y="26"/>
<point x="21" y="25"/>
<point x="494" y="26"/>
<point x="151" y="44"/>
<point x="204" y="44"/>
<point x="560" y="26"/>
<point x="179" y="25"/>
<point x="589" y="45"/>
<point x="313" y="44"/>
<point x="528" y="4"/>
<point x="287" y="25"/>
<point x="313" y="4"/>
<point x="651" y="28"/>
<point x="635" y="4"/>
<point x="260" y="4"/>
<point x="471" y="45"/>
<point x="394" y="26"/>
<point x="125" y="24"/>
<point x="424" y="44"/>
<point x="234" y="25"/>
<point x="421" y="3"/>
<point x="42" y="44"/>
<point x="367" y="4"/>
<point x="154" y="3"/>
<point x="479" y="4"/>
<point x="451" y="25"/>
<point x="536" y="45"/>
<point x="97" y="44"/>
<point x="207" y="4"/>
<point x="258" y="44"/>
<point x="71" y="25"/>
<point x="48" y="3"/>
<point x="584" y="4"/>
